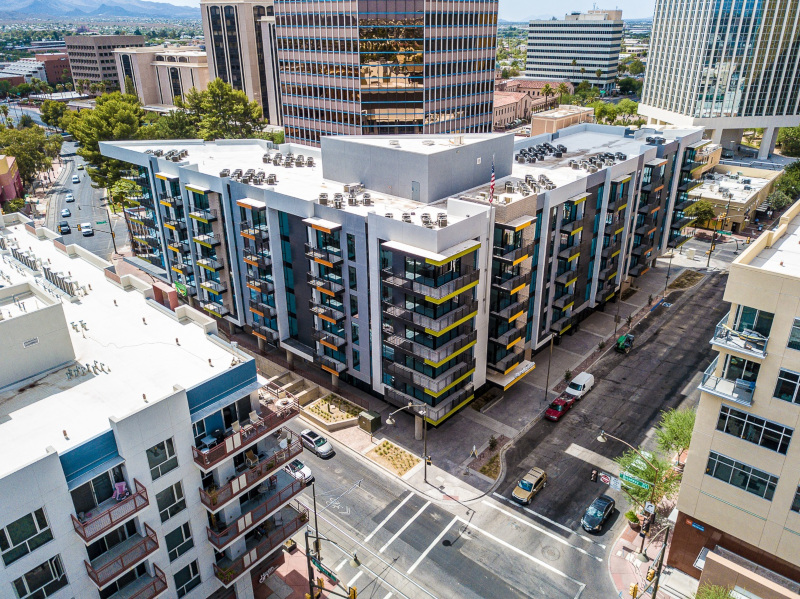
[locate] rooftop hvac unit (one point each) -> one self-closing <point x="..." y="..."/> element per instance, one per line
<point x="650" y="140"/>
<point x="558" y="154"/>
<point x="323" y="199"/>
<point x="310" y="161"/>
<point x="148" y="151"/>
<point x="158" y="152"/>
<point x="747" y="188"/>
<point x="661" y="141"/>
<point x="367" y="198"/>
<point x="353" y="187"/>
<point x="406" y="217"/>
<point x="289" y="163"/>
<point x="338" y="197"/>
<point x="289" y="156"/>
<point x="592" y="169"/>
<point x="225" y="173"/>
<point x="509" y="187"/>
<point x="561" y="148"/>
<point x="531" y="159"/>
<point x="428" y="224"/>
<point x="271" y="179"/>
<point x="441" y="219"/>
<point x="609" y="162"/>
<point x="299" y="161"/>
<point x="351" y="199"/>
<point x="428" y="142"/>
<point x="266" y="159"/>
<point x="338" y="203"/>
<point x="550" y="186"/>
<point x="389" y="215"/>
<point x="394" y="142"/>
<point x="575" y="166"/>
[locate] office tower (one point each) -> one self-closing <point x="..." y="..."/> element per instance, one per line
<point x="414" y="67"/>
<point x="91" y="57"/>
<point x="158" y="75"/>
<point x="579" y="47"/>
<point x="738" y="519"/>
<point x="56" y="66"/>
<point x="142" y="454"/>
<point x="726" y="67"/>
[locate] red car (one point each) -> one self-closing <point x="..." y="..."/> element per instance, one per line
<point x="559" y="407"/>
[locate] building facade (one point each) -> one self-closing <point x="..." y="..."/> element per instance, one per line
<point x="155" y="473"/>
<point x="91" y="57"/>
<point x="159" y="75"/>
<point x="27" y="68"/>
<point x="509" y="107"/>
<point x="56" y="67"/>
<point x="10" y="179"/>
<point x="414" y="286"/>
<point x="579" y="47"/>
<point x="739" y="504"/>
<point x="422" y="67"/>
<point x="726" y="67"/>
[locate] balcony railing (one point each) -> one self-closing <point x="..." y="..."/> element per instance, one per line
<point x="144" y="587"/>
<point x="257" y="284"/>
<point x="565" y="300"/>
<point x="570" y="226"/>
<point x="468" y="275"/>
<point x="232" y="571"/>
<point x="512" y="335"/>
<point x="513" y="255"/>
<point x="680" y="223"/>
<point x="251" y="518"/>
<point x="330" y="364"/>
<point x="215" y="308"/>
<point x="262" y="309"/>
<point x="329" y="313"/>
<point x="434" y="385"/>
<point x="512" y="309"/>
<point x="324" y="256"/>
<point x="178" y="246"/>
<point x="399" y="398"/>
<point x="174" y="223"/>
<point x="324" y="284"/>
<point x="510" y="361"/>
<point x="434" y="356"/>
<point x="208" y="240"/>
<point x="611" y="249"/>
<point x="214" y="287"/>
<point x="204" y="215"/>
<point x="265" y="333"/>
<point x="100" y="523"/>
<point x="236" y="441"/>
<point x="639" y="270"/>
<point x="211" y="264"/>
<point x="738" y="390"/>
<point x="643" y="248"/>
<point x="258" y="232"/>
<point x="569" y="251"/>
<point x="328" y="338"/>
<point x="509" y="284"/>
<point x="173" y="201"/>
<point x="121" y="557"/>
<point x="258" y="259"/>
<point x="436" y="325"/>
<point x="214" y="500"/>
<point x="744" y="341"/>
<point x="567" y="277"/>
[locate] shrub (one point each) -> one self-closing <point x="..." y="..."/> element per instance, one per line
<point x="567" y="374"/>
<point x="492" y="443"/>
<point x="631" y="517"/>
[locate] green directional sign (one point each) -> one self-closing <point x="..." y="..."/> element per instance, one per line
<point x="725" y="233"/>
<point x="102" y="222"/>
<point x="628" y="478"/>
<point x="329" y="573"/>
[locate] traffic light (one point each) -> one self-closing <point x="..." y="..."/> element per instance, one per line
<point x="651" y="574"/>
<point x="634" y="590"/>
<point x="427" y="462"/>
<point x="594" y="475"/>
<point x="352" y="592"/>
<point x="79" y="227"/>
<point x="647" y="523"/>
<point x="319" y="588"/>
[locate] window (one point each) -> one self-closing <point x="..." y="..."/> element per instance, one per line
<point x="794" y="335"/>
<point x="170" y="501"/>
<point x="187" y="578"/>
<point x="787" y="386"/>
<point x="354" y="332"/>
<point x="353" y="278"/>
<point x="351" y="247"/>
<point x="741" y="475"/>
<point x="796" y="502"/>
<point x="753" y="429"/>
<point x="356" y="360"/>
<point x="161" y="458"/>
<point x="23" y="536"/>
<point x="43" y="581"/>
<point x="353" y="306"/>
<point x="179" y="541"/>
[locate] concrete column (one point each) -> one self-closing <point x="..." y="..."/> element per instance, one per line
<point x="290" y="359"/>
<point x="231" y="328"/>
<point x="418" y="428"/>
<point x="261" y="343"/>
<point x="334" y="381"/>
<point x="716" y="136"/>
<point x="768" y="142"/>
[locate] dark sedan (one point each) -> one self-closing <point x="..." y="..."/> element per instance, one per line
<point x="597" y="514"/>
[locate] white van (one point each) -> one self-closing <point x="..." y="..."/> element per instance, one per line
<point x="580" y="385"/>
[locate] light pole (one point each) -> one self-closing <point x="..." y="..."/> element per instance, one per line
<point x="391" y="421"/>
<point x="669" y="267"/>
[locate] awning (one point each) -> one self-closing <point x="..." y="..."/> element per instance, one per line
<point x="94" y="472"/>
<point x="699" y="144"/>
<point x="197" y="188"/>
<point x="251" y="204"/>
<point x="657" y="162"/>
<point x="228" y="399"/>
<point x="147" y="267"/>
<point x="518" y="223"/>
<point x="166" y="177"/>
<point x="622" y="179"/>
<point x="437" y="259"/>
<point x="506" y="381"/>
<point x="320" y="224"/>
<point x="577" y="199"/>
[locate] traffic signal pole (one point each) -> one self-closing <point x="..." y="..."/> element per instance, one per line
<point x="660" y="564"/>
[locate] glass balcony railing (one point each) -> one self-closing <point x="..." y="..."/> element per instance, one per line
<point x="745" y="341"/>
<point x="737" y="390"/>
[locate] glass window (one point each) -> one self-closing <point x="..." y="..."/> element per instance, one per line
<point x="786" y="388"/>
<point x="794" y="335"/>
<point x="742" y="476"/>
<point x="761" y="432"/>
<point x="187" y="578"/>
<point x="796" y="502"/>
<point x="179" y="541"/>
<point x="161" y="458"/>
<point x="354" y="332"/>
<point x="351" y="246"/>
<point x="353" y="278"/>
<point x="170" y="501"/>
<point x="23" y="536"/>
<point x="356" y="360"/>
<point x="44" y="580"/>
<point x="353" y="306"/>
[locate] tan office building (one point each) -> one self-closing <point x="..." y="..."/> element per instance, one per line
<point x="159" y="75"/>
<point x="91" y="57"/>
<point x="739" y="505"/>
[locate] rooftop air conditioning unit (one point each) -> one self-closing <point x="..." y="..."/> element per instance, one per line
<point x="323" y="199"/>
<point x="428" y="142"/>
<point x="271" y="179"/>
<point x="394" y="142"/>
<point x="367" y="198"/>
<point x="406" y="217"/>
<point x="389" y="215"/>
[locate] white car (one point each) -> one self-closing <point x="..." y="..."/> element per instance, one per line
<point x="299" y="470"/>
<point x="87" y="230"/>
<point x="316" y="443"/>
<point x="69" y="198"/>
<point x="580" y="385"/>
<point x="76" y="179"/>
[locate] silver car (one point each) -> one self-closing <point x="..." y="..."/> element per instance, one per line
<point x="316" y="443"/>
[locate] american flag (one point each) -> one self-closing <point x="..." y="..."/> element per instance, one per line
<point x="491" y="186"/>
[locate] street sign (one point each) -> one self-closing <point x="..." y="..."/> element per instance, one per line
<point x="616" y="484"/>
<point x="612" y="481"/>
<point x="633" y="480"/>
<point x="605" y="478"/>
<point x="649" y="507"/>
<point x="180" y="288"/>
<point x="102" y="222"/>
<point x="323" y="570"/>
<point x="724" y="232"/>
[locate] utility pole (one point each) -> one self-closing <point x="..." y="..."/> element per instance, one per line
<point x="550" y="361"/>
<point x="111" y="232"/>
<point x="660" y="564"/>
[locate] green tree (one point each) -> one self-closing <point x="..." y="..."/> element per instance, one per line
<point x="32" y="149"/>
<point x="23" y="89"/>
<point x="5" y="87"/>
<point x="674" y="432"/>
<point x="175" y="125"/>
<point x="663" y="480"/>
<point x="220" y="112"/>
<point x="25" y="121"/>
<point x="52" y="112"/>
<point x="789" y="181"/>
<point x="636" y="67"/>
<point x="789" y="141"/>
<point x="778" y="200"/>
<point x="629" y="84"/>
<point x="505" y="73"/>
<point x="583" y="86"/>
<point x="603" y="111"/>
<point x="547" y="91"/>
<point x="121" y="190"/>
<point x="702" y="210"/>
<point x="562" y="90"/>
<point x="712" y="591"/>
<point x="627" y="109"/>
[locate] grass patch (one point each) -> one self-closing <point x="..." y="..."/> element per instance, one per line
<point x="688" y="278"/>
<point x="333" y="408"/>
<point x="492" y="467"/>
<point x="394" y="458"/>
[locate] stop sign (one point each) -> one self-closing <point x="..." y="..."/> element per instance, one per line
<point x="605" y="478"/>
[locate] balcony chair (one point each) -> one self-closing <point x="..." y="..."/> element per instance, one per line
<point x="121" y="491"/>
<point x="251" y="458"/>
<point x="237" y="428"/>
<point x="254" y="418"/>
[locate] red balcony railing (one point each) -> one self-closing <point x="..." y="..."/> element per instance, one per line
<point x="156" y="586"/>
<point x="251" y="519"/>
<point x="213" y="500"/>
<point x="107" y="572"/>
<point x="233" y="443"/>
<point x="97" y="525"/>
<point x="247" y="560"/>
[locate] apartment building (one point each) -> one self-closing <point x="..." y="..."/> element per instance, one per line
<point x="579" y="47"/>
<point x="382" y="260"/>
<point x="158" y="75"/>
<point x="91" y="57"/>
<point x="142" y="454"/>
<point x="341" y="73"/>
<point x="739" y="505"/>
<point x="56" y="67"/>
<point x="726" y="68"/>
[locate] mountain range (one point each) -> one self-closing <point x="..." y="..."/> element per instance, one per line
<point x="94" y="8"/>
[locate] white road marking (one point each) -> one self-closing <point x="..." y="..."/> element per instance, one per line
<point x="353" y="580"/>
<point x="389" y="594"/>
<point x="541" y="530"/>
<point x="435" y="542"/>
<point x="406" y="525"/>
<point x="340" y="565"/>
<point x="387" y="518"/>
<point x="553" y="522"/>
<point x="593" y="458"/>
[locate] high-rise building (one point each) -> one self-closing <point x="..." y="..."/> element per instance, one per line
<point x="382" y="259"/>
<point x="738" y="519"/>
<point x="142" y="455"/>
<point x="91" y="57"/>
<point x="365" y="68"/>
<point x="158" y="75"/>
<point x="726" y="67"/>
<point x="579" y="47"/>
<point x="56" y="66"/>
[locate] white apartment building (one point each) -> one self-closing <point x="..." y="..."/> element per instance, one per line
<point x="138" y="454"/>
<point x="576" y="48"/>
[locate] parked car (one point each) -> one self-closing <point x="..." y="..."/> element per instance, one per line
<point x="533" y="482"/>
<point x="598" y="513"/>
<point x="625" y="343"/>
<point x="559" y="407"/>
<point x="65" y="213"/>
<point x="580" y="385"/>
<point x="316" y="443"/>
<point x="80" y="167"/>
<point x="63" y="227"/>
<point x="299" y="470"/>
<point x="76" y="179"/>
<point x="69" y="198"/>
<point x="87" y="230"/>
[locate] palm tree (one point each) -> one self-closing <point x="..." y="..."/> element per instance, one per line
<point x="563" y="90"/>
<point x="4" y="112"/>
<point x="59" y="87"/>
<point x="547" y="91"/>
<point x="68" y="86"/>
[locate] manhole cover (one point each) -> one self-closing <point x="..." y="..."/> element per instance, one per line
<point x="551" y="553"/>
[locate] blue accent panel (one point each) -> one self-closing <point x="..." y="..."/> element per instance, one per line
<point x="214" y="422"/>
<point x="83" y="458"/>
<point x="225" y="383"/>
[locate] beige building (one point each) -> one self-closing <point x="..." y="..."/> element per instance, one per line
<point x="91" y="57"/>
<point x="508" y="107"/>
<point x="739" y="505"/>
<point x="159" y="74"/>
<point x="565" y="115"/>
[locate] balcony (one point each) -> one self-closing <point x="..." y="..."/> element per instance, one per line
<point x="432" y="356"/>
<point x="330" y="364"/>
<point x="265" y="333"/>
<point x="745" y="341"/>
<point x="185" y="268"/>
<point x="257" y="232"/>
<point x="324" y="285"/>
<point x="273" y="493"/>
<point x="144" y="587"/>
<point x="204" y="215"/>
<point x="512" y="284"/>
<point x="647" y="226"/>
<point x="511" y="311"/>
<point x="260" y="285"/>
<point x="639" y="270"/>
<point x="738" y="390"/>
<point x="234" y="442"/>
<point x="678" y="241"/>
<point x="174" y="223"/>
<point x="565" y="301"/>
<point x="643" y="248"/>
<point x="433" y="385"/>
<point x="691" y="165"/>
<point x="511" y="336"/>
<point x="569" y="252"/>
<point x="215" y="308"/>
<point x="514" y="255"/>
<point x="609" y="251"/>
<point x="171" y="201"/>
<point x="570" y="226"/>
<point x="261" y="544"/>
<point x="110" y="514"/>
<point x="327" y="257"/>
<point x="208" y="240"/>
<point x="568" y="277"/>
<point x="178" y="246"/>
<point x="215" y="287"/>
<point x="433" y="325"/>
<point x="329" y="340"/>
<point x="262" y="309"/>
<point x="120" y="558"/>
<point x="454" y="286"/>
<point x="328" y="313"/>
<point x="216" y="499"/>
<point x="510" y="361"/>
<point x="210" y="264"/>
<point x="689" y="184"/>
<point x="146" y="239"/>
<point x="680" y="223"/>
<point x="258" y="259"/>
<point x="684" y="205"/>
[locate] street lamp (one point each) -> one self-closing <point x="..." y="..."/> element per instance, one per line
<point x="391" y="422"/>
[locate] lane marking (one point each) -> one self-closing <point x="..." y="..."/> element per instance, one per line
<point x="431" y="546"/>
<point x="340" y="565"/>
<point x="389" y="594"/>
<point x="387" y="518"/>
<point x="541" y="530"/>
<point x="593" y="458"/>
<point x="406" y="525"/>
<point x="353" y="580"/>
<point x="553" y="522"/>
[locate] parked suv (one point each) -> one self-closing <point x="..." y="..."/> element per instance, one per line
<point x="316" y="443"/>
<point x="530" y="485"/>
<point x="580" y="385"/>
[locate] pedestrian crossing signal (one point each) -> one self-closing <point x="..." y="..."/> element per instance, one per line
<point x="79" y="227"/>
<point x="428" y="460"/>
<point x="352" y="592"/>
<point x="651" y="574"/>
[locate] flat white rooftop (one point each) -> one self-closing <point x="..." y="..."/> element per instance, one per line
<point x="134" y="340"/>
<point x="784" y="255"/>
<point x="716" y="186"/>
